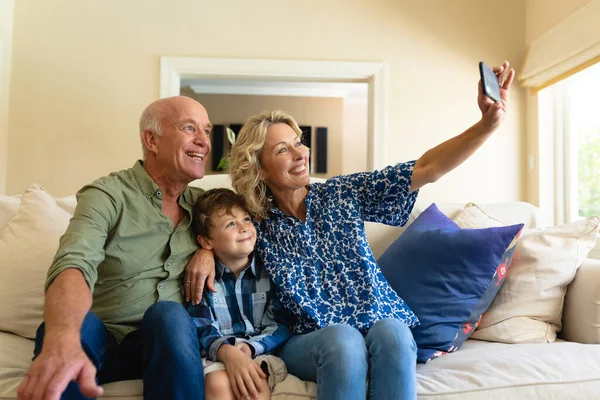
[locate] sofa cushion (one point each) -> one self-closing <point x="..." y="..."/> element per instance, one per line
<point x="8" y="209"/>
<point x="67" y="203"/>
<point x="480" y="371"/>
<point x="528" y="308"/>
<point x="9" y="205"/>
<point x="581" y="311"/>
<point x="497" y="371"/>
<point x="448" y="276"/>
<point x="16" y="358"/>
<point x="27" y="246"/>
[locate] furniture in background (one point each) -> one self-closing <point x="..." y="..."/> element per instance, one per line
<point x="539" y="339"/>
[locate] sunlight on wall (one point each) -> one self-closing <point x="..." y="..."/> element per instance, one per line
<point x="77" y="94"/>
<point x="6" y="34"/>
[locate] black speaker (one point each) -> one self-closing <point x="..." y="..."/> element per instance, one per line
<point x="236" y="128"/>
<point x="218" y="142"/>
<point x="321" y="150"/>
<point x="307" y="141"/>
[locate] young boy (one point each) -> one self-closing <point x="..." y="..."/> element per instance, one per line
<point x="237" y="323"/>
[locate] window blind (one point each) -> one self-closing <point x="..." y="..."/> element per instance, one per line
<point x="566" y="49"/>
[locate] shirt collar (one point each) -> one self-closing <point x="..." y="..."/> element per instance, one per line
<point x="253" y="267"/>
<point x="277" y="211"/>
<point x="150" y="189"/>
<point x="145" y="183"/>
<point x="187" y="197"/>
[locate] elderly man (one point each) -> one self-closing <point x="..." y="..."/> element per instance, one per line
<point x="123" y="256"/>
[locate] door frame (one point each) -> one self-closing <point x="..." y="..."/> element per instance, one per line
<point x="173" y="69"/>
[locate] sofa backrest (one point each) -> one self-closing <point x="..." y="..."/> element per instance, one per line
<point x="379" y="236"/>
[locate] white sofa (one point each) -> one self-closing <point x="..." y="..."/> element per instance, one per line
<point x="564" y="369"/>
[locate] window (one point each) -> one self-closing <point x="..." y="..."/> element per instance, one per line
<point x="573" y="105"/>
<point x="582" y="131"/>
<point x="569" y="113"/>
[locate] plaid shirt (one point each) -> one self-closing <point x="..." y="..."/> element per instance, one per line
<point x="242" y="310"/>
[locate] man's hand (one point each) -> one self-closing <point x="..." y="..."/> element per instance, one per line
<point x="199" y="271"/>
<point x="494" y="113"/>
<point x="61" y="361"/>
<point x="244" y="374"/>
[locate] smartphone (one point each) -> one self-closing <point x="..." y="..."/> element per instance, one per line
<point x="489" y="82"/>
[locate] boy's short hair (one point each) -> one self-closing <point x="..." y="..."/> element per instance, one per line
<point x="211" y="202"/>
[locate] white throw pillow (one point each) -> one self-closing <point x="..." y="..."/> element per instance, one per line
<point x="8" y="209"/>
<point x="9" y="205"/>
<point x="67" y="203"/>
<point x="528" y="308"/>
<point x="473" y="216"/>
<point x="27" y="246"/>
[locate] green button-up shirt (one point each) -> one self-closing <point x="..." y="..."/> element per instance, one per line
<point x="126" y="248"/>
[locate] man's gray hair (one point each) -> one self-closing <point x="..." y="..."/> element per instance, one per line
<point x="150" y="120"/>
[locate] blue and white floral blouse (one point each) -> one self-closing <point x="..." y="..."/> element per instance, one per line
<point x="323" y="268"/>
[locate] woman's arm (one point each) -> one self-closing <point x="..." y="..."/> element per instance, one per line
<point x="443" y="158"/>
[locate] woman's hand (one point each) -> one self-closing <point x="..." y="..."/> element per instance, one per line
<point x="493" y="113"/>
<point x="443" y="158"/>
<point x="200" y="271"/>
<point x="244" y="374"/>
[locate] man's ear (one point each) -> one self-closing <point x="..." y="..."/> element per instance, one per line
<point x="149" y="140"/>
<point x="205" y="242"/>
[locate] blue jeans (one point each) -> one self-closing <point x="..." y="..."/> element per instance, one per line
<point x="164" y="352"/>
<point x="339" y="359"/>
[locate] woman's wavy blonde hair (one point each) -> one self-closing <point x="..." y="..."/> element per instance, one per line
<point x="244" y="161"/>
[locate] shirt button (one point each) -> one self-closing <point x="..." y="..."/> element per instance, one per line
<point x="160" y="285"/>
<point x="227" y="270"/>
<point x="168" y="265"/>
<point x="158" y="194"/>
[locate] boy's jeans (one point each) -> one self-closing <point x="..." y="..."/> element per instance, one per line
<point x="164" y="352"/>
<point x="340" y="360"/>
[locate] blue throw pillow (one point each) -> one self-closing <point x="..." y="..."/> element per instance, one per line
<point x="448" y="276"/>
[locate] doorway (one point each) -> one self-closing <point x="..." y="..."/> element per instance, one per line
<point x="175" y="69"/>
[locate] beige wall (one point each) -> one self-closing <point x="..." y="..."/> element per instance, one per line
<point x="310" y="111"/>
<point x="354" y="145"/>
<point x="543" y="15"/>
<point x="6" y="28"/>
<point x="82" y="74"/>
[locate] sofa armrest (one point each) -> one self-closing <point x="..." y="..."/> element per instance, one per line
<point x="581" y="313"/>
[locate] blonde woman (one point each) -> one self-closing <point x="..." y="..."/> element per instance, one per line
<point x="349" y="323"/>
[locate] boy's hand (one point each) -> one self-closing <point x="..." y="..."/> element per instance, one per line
<point x="245" y="348"/>
<point x="244" y="374"/>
